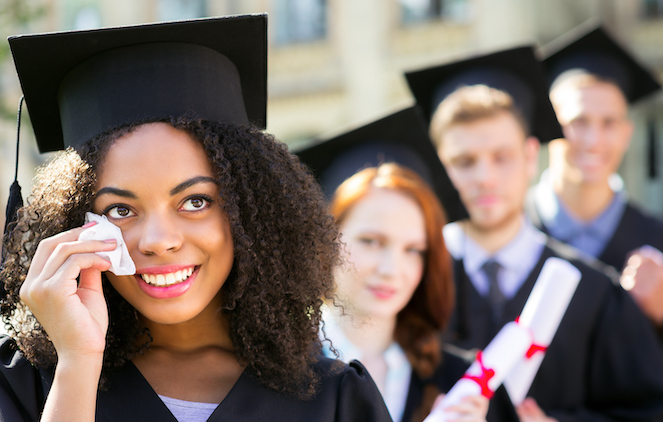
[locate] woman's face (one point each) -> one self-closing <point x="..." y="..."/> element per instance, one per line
<point x="156" y="184"/>
<point x="385" y="237"/>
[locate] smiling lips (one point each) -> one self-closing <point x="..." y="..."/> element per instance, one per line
<point x="382" y="292"/>
<point x="168" y="279"/>
<point x="167" y="283"/>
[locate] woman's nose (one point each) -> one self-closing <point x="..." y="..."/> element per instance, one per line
<point x="159" y="235"/>
<point x="388" y="262"/>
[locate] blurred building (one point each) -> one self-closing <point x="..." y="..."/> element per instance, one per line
<point x="333" y="63"/>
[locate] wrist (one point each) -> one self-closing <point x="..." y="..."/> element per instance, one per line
<point x="83" y="364"/>
<point x="73" y="395"/>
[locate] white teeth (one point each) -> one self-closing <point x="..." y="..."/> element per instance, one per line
<point x="162" y="280"/>
<point x="170" y="278"/>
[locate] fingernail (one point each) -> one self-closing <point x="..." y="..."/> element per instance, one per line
<point x="110" y="241"/>
<point x="90" y="224"/>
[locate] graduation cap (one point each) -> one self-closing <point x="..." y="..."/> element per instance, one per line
<point x="515" y="71"/>
<point x="78" y="84"/>
<point x="589" y="48"/>
<point x="400" y="137"/>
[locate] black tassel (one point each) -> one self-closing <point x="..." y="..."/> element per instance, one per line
<point x="15" y="200"/>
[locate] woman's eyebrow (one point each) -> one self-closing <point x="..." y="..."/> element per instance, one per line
<point x="115" y="191"/>
<point x="174" y="191"/>
<point x="187" y="184"/>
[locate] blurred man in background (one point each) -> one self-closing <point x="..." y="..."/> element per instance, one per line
<point x="580" y="199"/>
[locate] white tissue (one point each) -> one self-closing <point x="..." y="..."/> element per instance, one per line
<point x="121" y="262"/>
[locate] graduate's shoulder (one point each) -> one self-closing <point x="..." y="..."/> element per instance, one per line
<point x="590" y="267"/>
<point x="640" y="215"/>
<point x="353" y="390"/>
<point x="12" y="359"/>
<point x="599" y="291"/>
<point x="334" y="371"/>
<point x="642" y="221"/>
<point x="598" y="287"/>
<point x="22" y="386"/>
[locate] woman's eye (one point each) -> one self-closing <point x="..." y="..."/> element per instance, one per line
<point x="195" y="204"/>
<point x="369" y="242"/>
<point x="118" y="212"/>
<point x="416" y="251"/>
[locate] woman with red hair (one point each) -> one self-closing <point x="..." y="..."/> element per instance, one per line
<point x="395" y="290"/>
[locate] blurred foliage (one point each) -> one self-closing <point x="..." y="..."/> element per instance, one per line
<point x="15" y="15"/>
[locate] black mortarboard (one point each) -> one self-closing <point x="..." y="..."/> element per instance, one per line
<point x="589" y="48"/>
<point x="400" y="137"/>
<point x="77" y="84"/>
<point x="515" y="71"/>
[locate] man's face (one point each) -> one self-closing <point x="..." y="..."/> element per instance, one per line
<point x="597" y="130"/>
<point x="490" y="162"/>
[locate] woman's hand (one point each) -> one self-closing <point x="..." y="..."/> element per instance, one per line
<point x="63" y="291"/>
<point x="529" y="411"/>
<point x="470" y="409"/>
<point x="73" y="312"/>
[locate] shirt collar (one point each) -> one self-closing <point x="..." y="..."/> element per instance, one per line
<point x="564" y="225"/>
<point x="509" y="256"/>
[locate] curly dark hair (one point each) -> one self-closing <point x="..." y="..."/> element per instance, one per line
<point x="285" y="246"/>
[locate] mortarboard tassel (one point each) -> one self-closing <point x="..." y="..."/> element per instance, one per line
<point x="15" y="200"/>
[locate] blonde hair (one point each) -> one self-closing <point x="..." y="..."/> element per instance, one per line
<point x="470" y="104"/>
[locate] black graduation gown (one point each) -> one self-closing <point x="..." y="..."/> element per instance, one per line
<point x="349" y="396"/>
<point x="604" y="362"/>
<point x="635" y="229"/>
<point x="445" y="376"/>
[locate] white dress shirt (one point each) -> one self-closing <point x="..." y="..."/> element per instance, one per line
<point x="399" y="370"/>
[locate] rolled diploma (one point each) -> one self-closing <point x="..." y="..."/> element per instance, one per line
<point x="504" y="351"/>
<point x="542" y="314"/>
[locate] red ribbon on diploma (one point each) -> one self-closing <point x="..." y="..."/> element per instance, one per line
<point x="482" y="380"/>
<point x="534" y="348"/>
